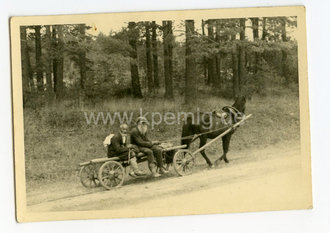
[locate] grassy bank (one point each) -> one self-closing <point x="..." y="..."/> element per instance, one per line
<point x="58" y="138"/>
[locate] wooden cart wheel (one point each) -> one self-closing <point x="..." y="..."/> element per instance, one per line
<point x="88" y="176"/>
<point x="111" y="174"/>
<point x="183" y="162"/>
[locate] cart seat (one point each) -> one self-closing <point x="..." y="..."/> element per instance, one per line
<point x="99" y="160"/>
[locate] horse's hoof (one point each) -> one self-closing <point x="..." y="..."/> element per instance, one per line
<point x="211" y="165"/>
<point x="226" y="160"/>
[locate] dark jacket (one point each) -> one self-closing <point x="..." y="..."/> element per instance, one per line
<point x="139" y="139"/>
<point x="117" y="146"/>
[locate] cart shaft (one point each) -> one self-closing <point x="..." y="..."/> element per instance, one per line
<point x="221" y="135"/>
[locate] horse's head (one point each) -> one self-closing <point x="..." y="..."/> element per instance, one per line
<point x="240" y="104"/>
<point x="234" y="113"/>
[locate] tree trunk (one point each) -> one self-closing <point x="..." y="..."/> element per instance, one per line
<point x="264" y="35"/>
<point x="204" y="57"/>
<point x="39" y="67"/>
<point x="60" y="63"/>
<point x="283" y="29"/>
<point x="166" y="57"/>
<point x="25" y="59"/>
<point x="190" y="88"/>
<point x="241" y="69"/>
<point x="211" y="61"/>
<point x="82" y="58"/>
<point x="49" y="61"/>
<point x="241" y="58"/>
<point x="167" y="43"/>
<point x="170" y="60"/>
<point x="242" y="29"/>
<point x="264" y="31"/>
<point x="31" y="80"/>
<point x="284" y="51"/>
<point x="218" y="59"/>
<point x="54" y="48"/>
<point x="133" y="36"/>
<point x="255" y="28"/>
<point x="218" y="80"/>
<point x="149" y="60"/>
<point x="235" y="72"/>
<point x="155" y="54"/>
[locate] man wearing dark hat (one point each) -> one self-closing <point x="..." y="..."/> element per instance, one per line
<point x="119" y="147"/>
<point x="139" y="137"/>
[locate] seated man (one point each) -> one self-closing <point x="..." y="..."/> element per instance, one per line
<point x="139" y="138"/>
<point x="119" y="148"/>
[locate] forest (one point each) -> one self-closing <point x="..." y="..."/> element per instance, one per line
<point x="224" y="57"/>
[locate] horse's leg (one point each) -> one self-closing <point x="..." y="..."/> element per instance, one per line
<point x="225" y="147"/>
<point x="202" y="142"/>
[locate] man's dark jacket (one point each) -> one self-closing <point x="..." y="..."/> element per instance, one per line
<point x="139" y="139"/>
<point x="117" y="146"/>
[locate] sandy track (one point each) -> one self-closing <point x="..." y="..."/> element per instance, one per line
<point x="207" y="188"/>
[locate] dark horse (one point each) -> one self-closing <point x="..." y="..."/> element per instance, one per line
<point x="209" y="123"/>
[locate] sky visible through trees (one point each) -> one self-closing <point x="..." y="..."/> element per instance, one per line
<point x="177" y="25"/>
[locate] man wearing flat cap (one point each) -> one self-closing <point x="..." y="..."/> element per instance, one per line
<point x="119" y="147"/>
<point x="139" y="137"/>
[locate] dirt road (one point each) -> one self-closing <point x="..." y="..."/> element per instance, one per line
<point x="250" y="177"/>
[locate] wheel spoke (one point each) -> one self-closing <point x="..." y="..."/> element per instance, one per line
<point x="117" y="169"/>
<point x="180" y="166"/>
<point x="112" y="168"/>
<point x="87" y="176"/>
<point x="85" y="180"/>
<point x="190" y="160"/>
<point x="188" y="169"/>
<point x="108" y="182"/>
<point x="105" y="177"/>
<point x="113" y="181"/>
<point x="117" y="178"/>
<point x="190" y="165"/>
<point x="111" y="174"/>
<point x="184" y="162"/>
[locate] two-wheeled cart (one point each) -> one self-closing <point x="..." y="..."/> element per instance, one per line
<point x="111" y="172"/>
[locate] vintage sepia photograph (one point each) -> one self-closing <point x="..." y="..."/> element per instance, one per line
<point x="160" y="113"/>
